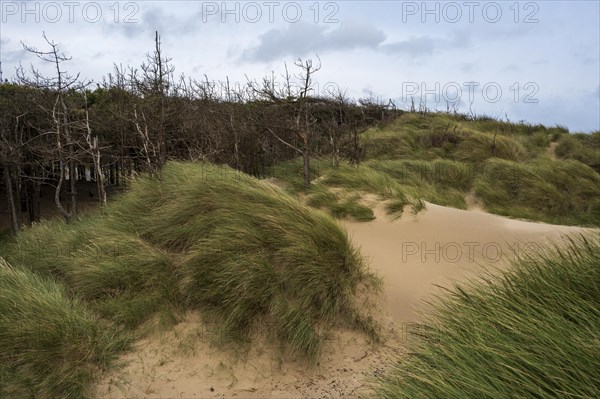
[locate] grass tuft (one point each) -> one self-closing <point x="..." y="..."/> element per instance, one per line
<point x="51" y="345"/>
<point x="562" y="192"/>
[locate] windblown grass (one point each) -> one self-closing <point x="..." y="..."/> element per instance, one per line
<point x="583" y="147"/>
<point x="208" y="237"/>
<point x="533" y="333"/>
<point x="51" y="346"/>
<point x="563" y="192"/>
<point x="441" y="158"/>
<point x="479" y="147"/>
<point x="340" y="208"/>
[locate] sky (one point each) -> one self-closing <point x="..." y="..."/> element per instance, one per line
<point x="533" y="61"/>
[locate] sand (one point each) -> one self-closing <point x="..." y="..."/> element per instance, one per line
<point x="415" y="255"/>
<point x="418" y="254"/>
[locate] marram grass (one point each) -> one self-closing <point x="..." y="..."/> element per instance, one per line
<point x="516" y="170"/>
<point x="532" y="333"/>
<point x="51" y="346"/>
<point x="561" y="192"/>
<point x="206" y="237"/>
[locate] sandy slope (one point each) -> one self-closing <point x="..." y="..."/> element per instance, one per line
<point x="414" y="254"/>
<point x="441" y="245"/>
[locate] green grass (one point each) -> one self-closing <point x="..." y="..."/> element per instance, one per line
<point x="403" y="182"/>
<point x="441" y="158"/>
<point x="292" y="172"/>
<point x="321" y="197"/>
<point x="206" y="237"/>
<point x="440" y="181"/>
<point x="562" y="192"/>
<point x="479" y="147"/>
<point x="364" y="178"/>
<point x="51" y="345"/>
<point x="582" y="147"/>
<point x="532" y="333"/>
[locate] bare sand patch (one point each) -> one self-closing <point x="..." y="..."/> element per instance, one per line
<point x="187" y="362"/>
<point x="418" y="254"/>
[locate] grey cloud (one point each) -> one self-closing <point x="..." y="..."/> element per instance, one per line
<point x="413" y="46"/>
<point x="12" y="53"/>
<point x="459" y="39"/>
<point x="154" y="19"/>
<point x="416" y="46"/>
<point x="132" y="30"/>
<point x="511" y="68"/>
<point x="467" y="67"/>
<point x="301" y="39"/>
<point x="590" y="61"/>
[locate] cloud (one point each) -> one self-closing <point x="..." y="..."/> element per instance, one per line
<point x="12" y="53"/>
<point x="416" y="46"/>
<point x="467" y="67"/>
<point x="511" y="68"/>
<point x="153" y="19"/>
<point x="301" y="39"/>
<point x="413" y="46"/>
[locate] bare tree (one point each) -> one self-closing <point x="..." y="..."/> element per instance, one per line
<point x="10" y="158"/>
<point x="59" y="84"/>
<point x="298" y="98"/>
<point x="93" y="149"/>
<point x="153" y="85"/>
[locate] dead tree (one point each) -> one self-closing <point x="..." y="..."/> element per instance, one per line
<point x="93" y="149"/>
<point x="294" y="96"/>
<point x="153" y="85"/>
<point x="9" y="157"/>
<point x="59" y="84"/>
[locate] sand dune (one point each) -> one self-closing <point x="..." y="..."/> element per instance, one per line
<point x="441" y="245"/>
<point x="414" y="255"/>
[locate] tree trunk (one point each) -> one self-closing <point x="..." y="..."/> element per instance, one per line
<point x="13" y="210"/>
<point x="100" y="179"/>
<point x="59" y="187"/>
<point x="73" y="187"/>
<point x="306" y="166"/>
<point x="35" y="202"/>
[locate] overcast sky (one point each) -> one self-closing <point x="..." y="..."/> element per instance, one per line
<point x="534" y="61"/>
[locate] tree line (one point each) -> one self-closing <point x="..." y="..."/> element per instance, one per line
<point x="59" y="130"/>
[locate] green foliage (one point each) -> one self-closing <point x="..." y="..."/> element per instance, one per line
<point x="50" y="344"/>
<point x="532" y="333"/>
